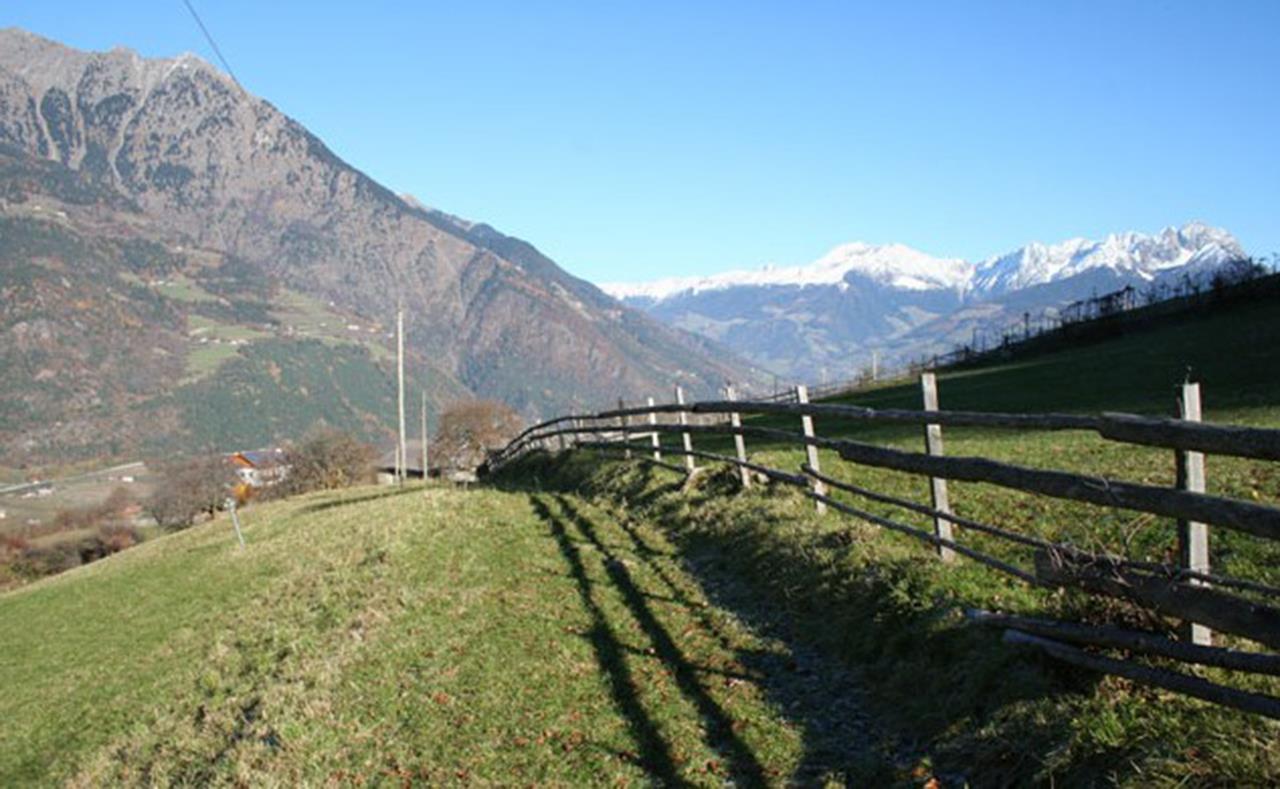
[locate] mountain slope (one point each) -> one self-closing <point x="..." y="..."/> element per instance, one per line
<point x="118" y="339"/>
<point x="828" y="317"/>
<point x="224" y="171"/>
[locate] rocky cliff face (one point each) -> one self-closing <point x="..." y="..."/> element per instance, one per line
<point x="225" y="171"/>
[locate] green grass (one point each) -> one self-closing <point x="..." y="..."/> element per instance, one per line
<point x="204" y="360"/>
<point x="311" y="317"/>
<point x="972" y="708"/>
<point x="379" y="636"/>
<point x="182" y="288"/>
<point x="598" y="622"/>
<point x="883" y="603"/>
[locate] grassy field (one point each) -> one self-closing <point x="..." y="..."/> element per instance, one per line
<point x="74" y="491"/>
<point x="590" y="621"/>
<point x="883" y="604"/>
<point x="445" y="637"/>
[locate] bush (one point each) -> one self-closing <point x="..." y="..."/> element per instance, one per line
<point x="326" y="459"/>
<point x="116" y="537"/>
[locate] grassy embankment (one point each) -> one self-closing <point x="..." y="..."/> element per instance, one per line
<point x="372" y="636"/>
<point x="597" y="623"/>
<point x="887" y="607"/>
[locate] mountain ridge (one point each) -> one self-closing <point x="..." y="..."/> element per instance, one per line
<point x="220" y="177"/>
<point x="830" y="316"/>
<point x="904" y="267"/>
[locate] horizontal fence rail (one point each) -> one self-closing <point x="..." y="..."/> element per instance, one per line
<point x="1188" y="591"/>
<point x="1230" y="440"/>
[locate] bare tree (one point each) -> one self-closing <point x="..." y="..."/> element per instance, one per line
<point x="470" y="429"/>
<point x="189" y="488"/>
<point x="327" y="458"/>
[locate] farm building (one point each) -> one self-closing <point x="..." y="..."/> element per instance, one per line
<point x="386" y="465"/>
<point x="258" y="468"/>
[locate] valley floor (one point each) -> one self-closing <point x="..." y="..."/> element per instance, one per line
<point x="432" y="636"/>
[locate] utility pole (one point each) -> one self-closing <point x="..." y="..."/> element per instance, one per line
<point x="424" y="437"/>
<point x="401" y="456"/>
<point x="875" y="365"/>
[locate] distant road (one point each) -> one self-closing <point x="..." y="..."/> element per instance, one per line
<point x="87" y="475"/>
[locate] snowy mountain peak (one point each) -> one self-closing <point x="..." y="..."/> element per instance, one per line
<point x="891" y="265"/>
<point x="899" y="267"/>
<point x="1137" y="254"/>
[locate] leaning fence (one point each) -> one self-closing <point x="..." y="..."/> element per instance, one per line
<point x="1185" y="589"/>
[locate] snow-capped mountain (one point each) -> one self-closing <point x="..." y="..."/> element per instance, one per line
<point x="1195" y="245"/>
<point x="829" y="315"/>
<point x="891" y="265"/>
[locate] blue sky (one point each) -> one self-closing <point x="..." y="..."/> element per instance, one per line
<point x="653" y="139"/>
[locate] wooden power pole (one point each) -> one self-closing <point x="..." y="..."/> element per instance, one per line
<point x="424" y="437"/>
<point x="401" y="456"/>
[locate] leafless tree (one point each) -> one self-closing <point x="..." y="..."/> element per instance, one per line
<point x="326" y="459"/>
<point x="470" y="429"/>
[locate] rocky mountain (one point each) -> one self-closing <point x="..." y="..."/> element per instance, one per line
<point x="826" y="318"/>
<point x="174" y="153"/>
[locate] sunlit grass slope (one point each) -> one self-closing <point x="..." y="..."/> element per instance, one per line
<point x="380" y="636"/>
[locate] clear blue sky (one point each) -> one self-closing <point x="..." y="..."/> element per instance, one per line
<point x="675" y="137"/>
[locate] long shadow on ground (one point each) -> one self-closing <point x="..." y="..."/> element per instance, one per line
<point x="655" y="752"/>
<point x="392" y="492"/>
<point x="815" y="693"/>
<point x="841" y="632"/>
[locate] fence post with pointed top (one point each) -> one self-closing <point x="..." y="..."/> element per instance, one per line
<point x="653" y="436"/>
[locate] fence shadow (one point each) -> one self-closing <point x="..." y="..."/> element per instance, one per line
<point x="842" y="635"/>
<point x="813" y="692"/>
<point x="824" y="698"/>
<point x="655" y="752"/>
<point x="322" y="506"/>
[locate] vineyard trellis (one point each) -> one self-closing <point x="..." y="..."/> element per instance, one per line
<point x="1187" y="590"/>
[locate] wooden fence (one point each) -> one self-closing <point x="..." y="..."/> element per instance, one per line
<point x="1186" y="590"/>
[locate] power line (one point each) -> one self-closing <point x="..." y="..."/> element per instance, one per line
<point x="209" y="37"/>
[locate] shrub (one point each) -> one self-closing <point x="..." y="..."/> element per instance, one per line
<point x="13" y="544"/>
<point x="116" y="537"/>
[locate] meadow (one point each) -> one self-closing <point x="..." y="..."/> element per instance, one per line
<point x="586" y="620"/>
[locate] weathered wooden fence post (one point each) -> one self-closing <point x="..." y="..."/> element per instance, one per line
<point x="1193" y="537"/>
<point x="626" y="436"/>
<point x="937" y="486"/>
<point x="810" y="451"/>
<point x="685" y="438"/>
<point x="735" y="421"/>
<point x="653" y="436"/>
